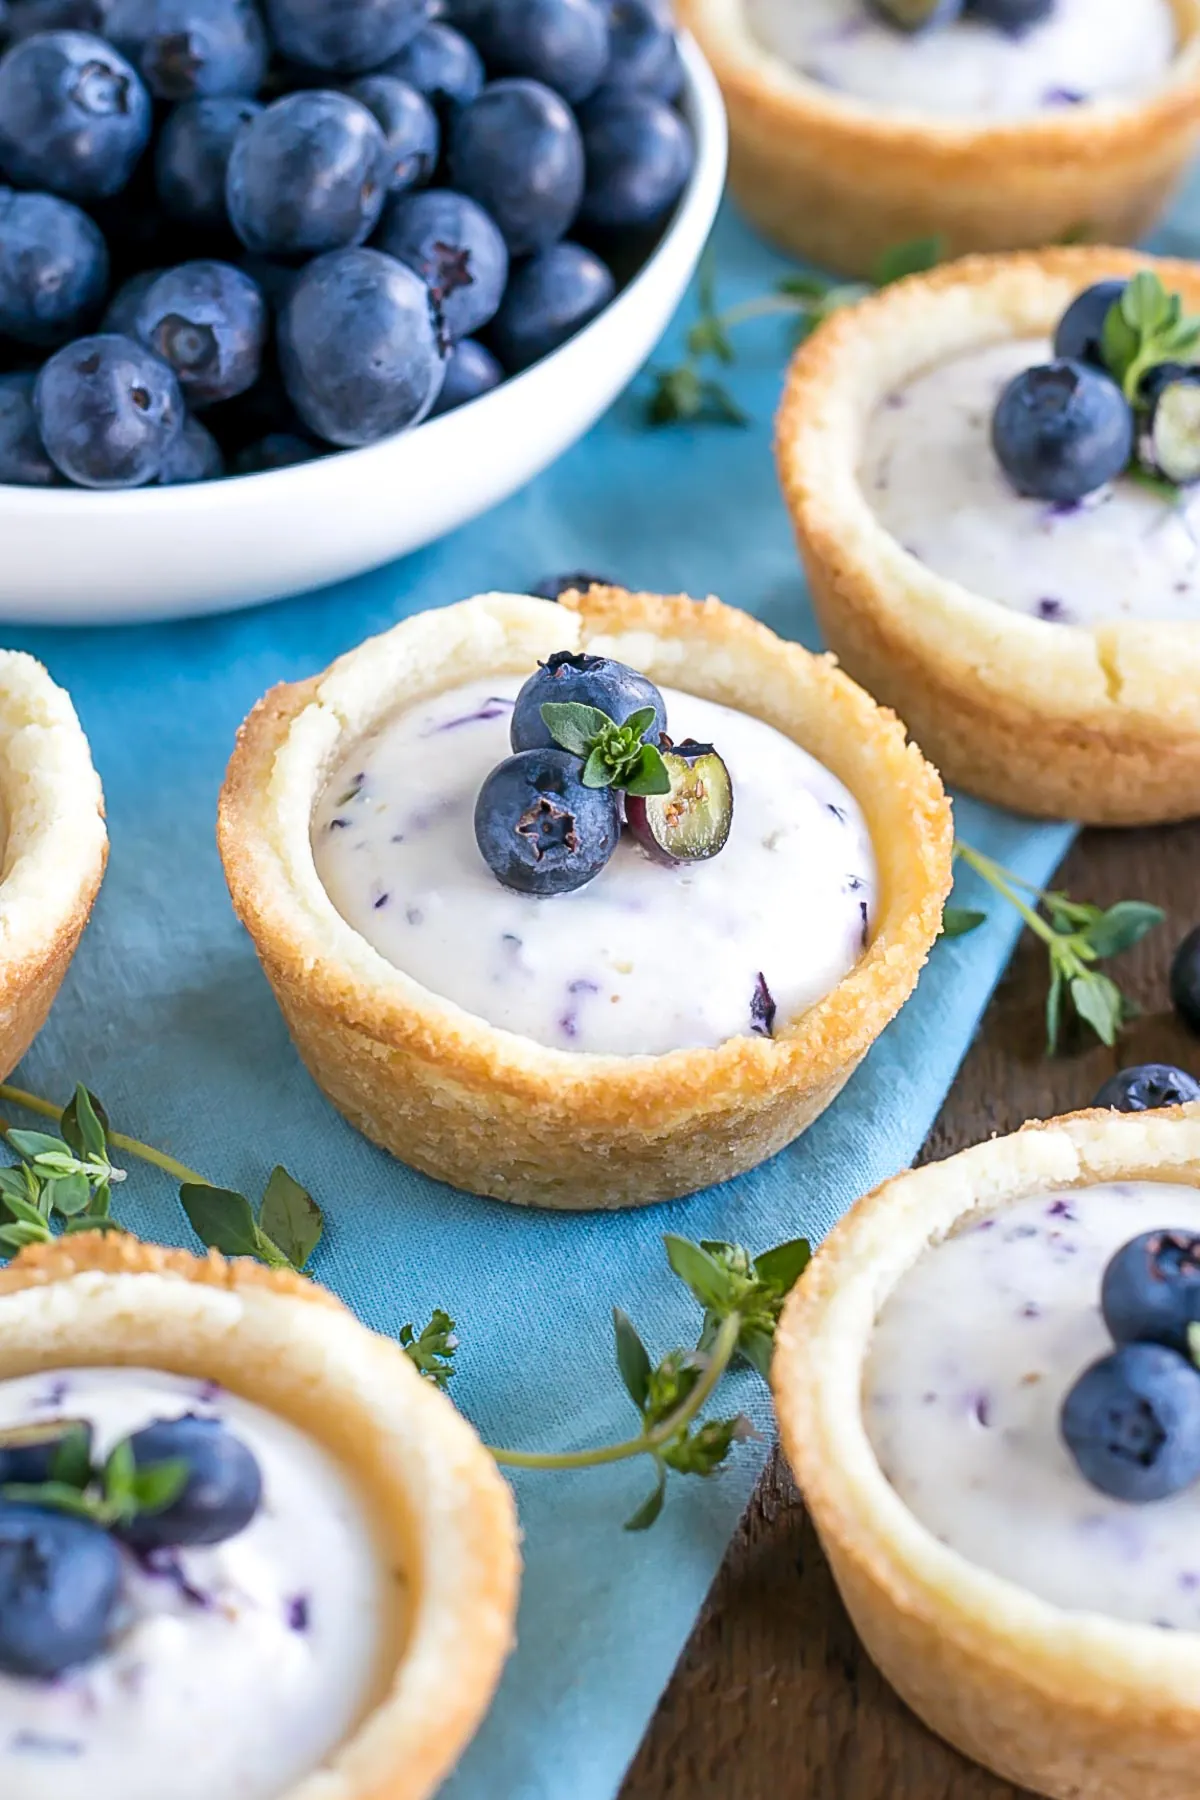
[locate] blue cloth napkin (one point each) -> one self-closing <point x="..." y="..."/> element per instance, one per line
<point x="165" y="1014"/>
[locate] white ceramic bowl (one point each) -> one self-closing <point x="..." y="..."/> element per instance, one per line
<point x="70" y="557"/>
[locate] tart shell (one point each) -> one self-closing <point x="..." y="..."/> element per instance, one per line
<point x="441" y="1509"/>
<point x="1068" y="1704"/>
<point x="493" y="1112"/>
<point x="54" y="846"/>
<point x="839" y="182"/>
<point x="1098" y="724"/>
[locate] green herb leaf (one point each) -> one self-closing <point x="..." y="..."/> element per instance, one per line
<point x="221" y="1218"/>
<point x="575" y="727"/>
<point x="1122" y="926"/>
<point x="58" y="1496"/>
<point x="290" y="1217"/>
<point x="158" y="1485"/>
<point x="432" y="1348"/>
<point x="782" y="1267"/>
<point x="120" y="1472"/>
<point x="17" y="1237"/>
<point x="85" y="1125"/>
<point x="632" y="1358"/>
<point x="71" y="1464"/>
<point x="649" y="774"/>
<point x="700" y="1272"/>
<point x="648" y="1512"/>
<point x="31" y="1144"/>
<point x="25" y="1212"/>
<point x="702" y="1451"/>
<point x="71" y="1195"/>
<point x="913" y="258"/>
<point x="1054" y="1006"/>
<point x="957" y="921"/>
<point x="596" y="772"/>
<point x="1099" y="1003"/>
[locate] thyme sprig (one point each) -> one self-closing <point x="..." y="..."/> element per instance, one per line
<point x="113" y="1495"/>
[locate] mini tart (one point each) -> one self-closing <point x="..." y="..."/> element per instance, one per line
<point x="1095" y="723"/>
<point x="493" y="1112"/>
<point x="838" y="182"/>
<point x="54" y="846"/>
<point x="1065" y="1703"/>
<point x="440" y="1506"/>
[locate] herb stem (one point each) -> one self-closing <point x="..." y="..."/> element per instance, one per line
<point x="647" y="1443"/>
<point x="144" y="1152"/>
<point x="1002" y="881"/>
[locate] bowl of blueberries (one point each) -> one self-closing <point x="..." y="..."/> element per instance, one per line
<point x="288" y="290"/>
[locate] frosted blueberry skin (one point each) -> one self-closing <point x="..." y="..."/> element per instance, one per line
<point x="348" y="39"/>
<point x="59" y="1582"/>
<point x="516" y="150"/>
<point x="277" y="450"/>
<point x="563" y="43"/>
<point x="409" y="125"/>
<point x="221" y="1495"/>
<point x="23" y="458"/>
<point x="549" y="298"/>
<point x="471" y="370"/>
<point x="1146" y="1086"/>
<point x="587" y="681"/>
<point x="1185" y="980"/>
<point x="186" y="50"/>
<point x="455" y="248"/>
<point x="1013" y="16"/>
<point x="539" y="829"/>
<point x="1078" y="334"/>
<point x="643" y="52"/>
<point x="208" y="322"/>
<point x="109" y="412"/>
<point x="23" y="18"/>
<point x="195" y="456"/>
<point x="1150" y="1292"/>
<point x="120" y="315"/>
<point x="192" y="157"/>
<point x="74" y="116"/>
<point x="1132" y="1423"/>
<point x="28" y="1452"/>
<point x="1062" y="430"/>
<point x="441" y="64"/>
<point x="639" y="156"/>
<point x="310" y="173"/>
<point x="53" y="269"/>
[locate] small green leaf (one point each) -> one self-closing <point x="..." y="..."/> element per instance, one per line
<point x="677" y="396"/>
<point x="782" y="1267"/>
<point x="85" y="1125"/>
<point x="1122" y="926"/>
<point x="1119" y="342"/>
<point x="26" y="1213"/>
<point x="596" y="770"/>
<point x="35" y="1143"/>
<point x="1054" y="1006"/>
<point x="1144" y="303"/>
<point x="291" y="1217"/>
<point x="651" y="1506"/>
<point x="119" y="1473"/>
<point x="221" y="1218"/>
<point x="708" y="337"/>
<point x="757" y="1347"/>
<point x="913" y="258"/>
<point x="12" y="1181"/>
<point x="59" y="1496"/>
<point x="649" y="774"/>
<point x="1099" y="1004"/>
<point x="632" y="1358"/>
<point x="432" y="1348"/>
<point x="700" y="1272"/>
<point x="957" y="921"/>
<point x="17" y="1237"/>
<point x="719" y="405"/>
<point x="804" y="287"/>
<point x="638" y="723"/>
<point x="573" y="726"/>
<point x="71" y="1195"/>
<point x="71" y="1465"/>
<point x="157" y="1485"/>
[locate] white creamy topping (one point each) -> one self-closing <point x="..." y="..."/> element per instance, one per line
<point x="932" y="479"/>
<point x="1084" y="50"/>
<point x="972" y="1357"/>
<point x="646" y="958"/>
<point x="234" y="1669"/>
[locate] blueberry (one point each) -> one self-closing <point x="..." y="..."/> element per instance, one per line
<point x="441" y="64"/>
<point x="1132" y="1423"/>
<point x="195" y="456"/>
<point x="561" y="42"/>
<point x="517" y="151"/>
<point x="25" y="18"/>
<point x="359" y="348"/>
<point x="589" y="681"/>
<point x="109" y="412"/>
<point x="409" y="125"/>
<point x="549" y="298"/>
<point x="120" y="315"/>
<point x="1077" y="337"/>
<point x="470" y="371"/>
<point x="74" y="116"/>
<point x="642" y="49"/>
<point x="23" y="459"/>
<point x="1150" y="1292"/>
<point x="1170" y="395"/>
<point x="539" y="829"/>
<point x="553" y="587"/>
<point x="1012" y="16"/>
<point x="1185" y="980"/>
<point x="692" y="821"/>
<point x="221" y="1495"/>
<point x="186" y="49"/>
<point x="1060" y="431"/>
<point x="53" y="268"/>
<point x="1147" y="1086"/>
<point x="192" y="156"/>
<point x="308" y="174"/>
<point x="60" y="1579"/>
<point x="918" y="15"/>
<point x="639" y="154"/>
<point x="348" y="36"/>
<point x="278" y="450"/>
<point x="36" y="1453"/>
<point x="207" y="320"/>
<point x="456" y="250"/>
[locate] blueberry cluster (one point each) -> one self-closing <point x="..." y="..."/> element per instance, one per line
<point x="231" y="239"/>
<point x="1014" y="16"/>
<point x="591" y="757"/>
<point x="61" y="1521"/>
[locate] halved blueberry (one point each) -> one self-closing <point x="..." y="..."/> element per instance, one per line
<point x="1080" y="330"/>
<point x="691" y="823"/>
<point x="1150" y="1291"/>
<point x="1171" y="444"/>
<point x="221" y="1495"/>
<point x="53" y="1450"/>
<point x="591" y="681"/>
<point x="539" y="829"/>
<point x="1132" y="1423"/>
<point x="60" y="1579"/>
<point x="1147" y="1086"/>
<point x="1061" y="430"/>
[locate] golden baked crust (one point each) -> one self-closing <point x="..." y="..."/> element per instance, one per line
<point x="1097" y="724"/>
<point x="836" y="181"/>
<point x="1068" y="1704"/>
<point x="54" y="846"/>
<point x="439" y="1504"/>
<point x="493" y="1112"/>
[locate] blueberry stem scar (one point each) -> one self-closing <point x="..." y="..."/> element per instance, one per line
<point x="144" y="1152"/>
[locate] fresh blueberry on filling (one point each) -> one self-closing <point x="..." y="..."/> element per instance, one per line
<point x="1012" y="16"/>
<point x="1146" y="1087"/>
<point x="1132" y="1423"/>
<point x="1061" y="430"/>
<point x="1081" y="329"/>
<point x="59" y="1582"/>
<point x="918" y="15"/>
<point x="691" y="822"/>
<point x="539" y="829"/>
<point x="59" y="1449"/>
<point x="1170" y="393"/>
<point x="595" y="681"/>
<point x="220" y="1496"/>
<point x="1185" y="980"/>
<point x="1150" y="1292"/>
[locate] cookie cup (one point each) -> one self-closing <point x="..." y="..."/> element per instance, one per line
<point x="1094" y="723"/>
<point x="486" y="1109"/>
<point x="445" y="1521"/>
<point x="1065" y="1703"/>
<point x="838" y="181"/>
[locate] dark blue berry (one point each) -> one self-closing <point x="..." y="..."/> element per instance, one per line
<point x="109" y="412"/>
<point x="74" y="116"/>
<point x="409" y="125"/>
<point x="539" y="829"/>
<point x="588" y="681"/>
<point x="517" y="151"/>
<point x="1170" y="444"/>
<point x="549" y="298"/>
<point x="457" y="251"/>
<point x="639" y="154"/>
<point x="37" y="1453"/>
<point x="1147" y="1086"/>
<point x="278" y="450"/>
<point x="918" y="15"/>
<point x="642" y="50"/>
<point x="441" y="64"/>
<point x="308" y="174"/>
<point x="53" y="268"/>
<point x="1079" y="332"/>
<point x="470" y="371"/>
<point x="553" y="587"/>
<point x="195" y="456"/>
<point x="23" y="459"/>
<point x="192" y="156"/>
<point x="221" y="1495"/>
<point x="561" y="42"/>
<point x="25" y="18"/>
<point x="1185" y="980"/>
<point x="208" y="321"/>
<point x="350" y="37"/>
<point x="1062" y="430"/>
<point x="1150" y="1292"/>
<point x="120" y="315"/>
<point x="1132" y="1423"/>
<point x="186" y="49"/>
<point x="359" y="348"/>
<point x="60" y="1579"/>
<point x="1012" y="16"/>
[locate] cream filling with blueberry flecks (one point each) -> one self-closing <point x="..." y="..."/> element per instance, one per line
<point x="972" y="1357"/>
<point x="930" y="475"/>
<point x="1085" y="50"/>
<point x="234" y="1669"/>
<point x="647" y="957"/>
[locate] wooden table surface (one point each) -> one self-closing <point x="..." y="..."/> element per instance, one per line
<point x="773" y="1698"/>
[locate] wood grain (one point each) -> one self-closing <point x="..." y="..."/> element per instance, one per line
<point x="773" y="1699"/>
